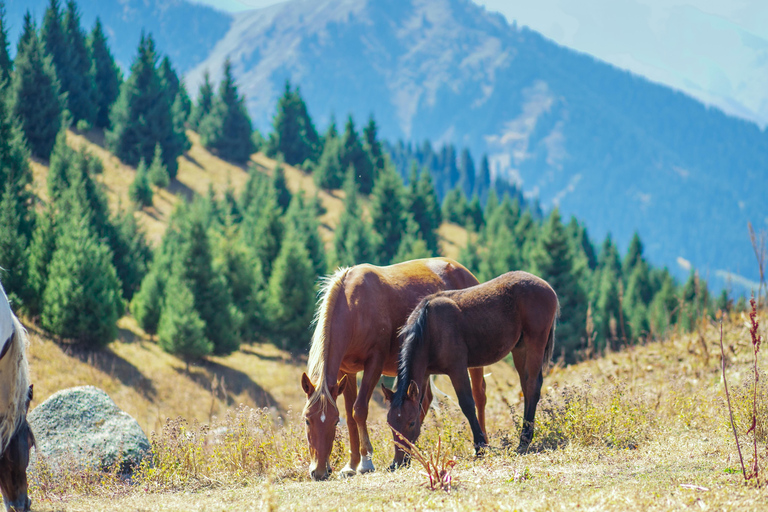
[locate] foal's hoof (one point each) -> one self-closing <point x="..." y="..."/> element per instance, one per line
<point x="523" y="448"/>
<point x="481" y="450"/>
<point x="347" y="471"/>
<point x="366" y="465"/>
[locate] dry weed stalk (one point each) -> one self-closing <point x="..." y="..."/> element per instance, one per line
<point x="438" y="466"/>
<point x="756" y="341"/>
<point x="759" y="246"/>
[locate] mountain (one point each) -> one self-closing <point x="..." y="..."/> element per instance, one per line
<point x="619" y="152"/>
<point x="185" y="31"/>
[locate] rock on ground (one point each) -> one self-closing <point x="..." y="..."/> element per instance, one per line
<point x="83" y="425"/>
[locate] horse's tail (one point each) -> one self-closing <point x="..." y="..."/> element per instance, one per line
<point x="413" y="333"/>
<point x="14" y="361"/>
<point x="550" y="348"/>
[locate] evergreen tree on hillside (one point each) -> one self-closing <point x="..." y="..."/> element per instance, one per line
<point x="140" y="192"/>
<point x="387" y="213"/>
<point x="466" y="172"/>
<point x="181" y="331"/>
<point x="35" y="93"/>
<point x="353" y="154"/>
<point x="329" y="173"/>
<point x="158" y="173"/>
<point x="53" y="36"/>
<point x="552" y="260"/>
<point x="483" y="181"/>
<point x="14" y="165"/>
<point x="353" y="239"/>
<point x="82" y="296"/>
<point x="634" y="256"/>
<point x="637" y="298"/>
<point x="455" y="207"/>
<point x="609" y="323"/>
<point x="694" y="302"/>
<point x="106" y="75"/>
<point x="262" y="228"/>
<point x="131" y="253"/>
<point x="281" y="188"/>
<point x="40" y="252"/>
<point x="412" y="245"/>
<point x="13" y="245"/>
<point x="373" y="147"/>
<point x="141" y="117"/>
<point x="474" y="214"/>
<point x="302" y="216"/>
<point x="421" y="202"/>
<point x="204" y="102"/>
<point x="291" y="295"/>
<point x="147" y="303"/>
<point x="6" y="64"/>
<point x="75" y="74"/>
<point x="177" y="97"/>
<point x="664" y="308"/>
<point x="294" y="135"/>
<point x="227" y="128"/>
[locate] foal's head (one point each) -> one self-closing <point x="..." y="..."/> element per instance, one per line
<point x="13" y="465"/>
<point x="404" y="417"/>
<point x="321" y="415"/>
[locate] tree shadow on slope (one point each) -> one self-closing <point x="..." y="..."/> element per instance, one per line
<point x="227" y="383"/>
<point x="115" y="366"/>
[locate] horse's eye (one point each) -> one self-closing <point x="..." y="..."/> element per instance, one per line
<point x="307" y="422"/>
<point x="337" y="422"/>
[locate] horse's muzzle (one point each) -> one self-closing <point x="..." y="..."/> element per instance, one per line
<point x="22" y="504"/>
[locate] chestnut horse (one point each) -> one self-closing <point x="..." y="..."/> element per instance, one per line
<point x="16" y="438"/>
<point x="360" y="312"/>
<point x="451" y="331"/>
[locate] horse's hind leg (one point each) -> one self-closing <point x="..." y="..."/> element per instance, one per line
<point x="350" y="395"/>
<point x="478" y="393"/>
<point x="528" y="359"/>
<point x="371" y="375"/>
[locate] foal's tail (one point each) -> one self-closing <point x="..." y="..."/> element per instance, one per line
<point x="550" y="348"/>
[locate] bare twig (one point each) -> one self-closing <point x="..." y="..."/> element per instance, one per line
<point x="730" y="407"/>
<point x="438" y="466"/>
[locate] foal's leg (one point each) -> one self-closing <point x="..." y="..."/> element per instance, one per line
<point x="478" y="393"/>
<point x="460" y="381"/>
<point x="350" y="394"/>
<point x="371" y="375"/>
<point x="528" y="359"/>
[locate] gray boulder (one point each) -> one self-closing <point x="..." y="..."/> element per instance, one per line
<point x="84" y="426"/>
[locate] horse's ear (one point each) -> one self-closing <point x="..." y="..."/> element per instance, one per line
<point x="413" y="391"/>
<point x="30" y="393"/>
<point x="341" y="384"/>
<point x="307" y="385"/>
<point x="388" y="393"/>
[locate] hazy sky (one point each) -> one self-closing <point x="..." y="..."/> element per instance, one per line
<point x="715" y="50"/>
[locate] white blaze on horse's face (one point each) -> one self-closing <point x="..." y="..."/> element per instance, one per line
<point x="322" y="418"/>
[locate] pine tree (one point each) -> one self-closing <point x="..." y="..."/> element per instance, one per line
<point x="328" y="172"/>
<point x="609" y="322"/>
<point x="263" y="228"/>
<point x="634" y="256"/>
<point x="147" y="303"/>
<point x="53" y="36"/>
<point x="6" y="64"/>
<point x="353" y="154"/>
<point x="41" y="250"/>
<point x="107" y="77"/>
<point x="502" y="254"/>
<point x="181" y="331"/>
<point x="35" y="93"/>
<point x="552" y="261"/>
<point x="664" y="308"/>
<point x="474" y="214"/>
<point x="204" y="102"/>
<point x="352" y="240"/>
<point x="301" y="216"/>
<point x="281" y="188"/>
<point x="373" y="147"/>
<point x="131" y="253"/>
<point x="467" y="173"/>
<point x="294" y="135"/>
<point x="483" y="181"/>
<point x="291" y="295"/>
<point x="422" y="203"/>
<point x="455" y="207"/>
<point x="387" y="213"/>
<point x="13" y="245"/>
<point x="412" y="245"/>
<point x="176" y="96"/>
<point x="158" y="173"/>
<point x="140" y="192"/>
<point x="227" y="128"/>
<point x="76" y="75"/>
<point x="141" y="117"/>
<point x="82" y="296"/>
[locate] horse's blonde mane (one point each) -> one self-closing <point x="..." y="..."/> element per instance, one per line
<point x="14" y="367"/>
<point x="330" y="287"/>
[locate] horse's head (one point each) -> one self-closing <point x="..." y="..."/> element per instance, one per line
<point x="321" y="418"/>
<point x="404" y="417"/>
<point x="13" y="465"/>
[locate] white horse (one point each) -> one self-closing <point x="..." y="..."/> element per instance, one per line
<point x="16" y="438"/>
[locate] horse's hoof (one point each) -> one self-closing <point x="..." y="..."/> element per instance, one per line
<point x="366" y="465"/>
<point x="481" y="450"/>
<point x="347" y="471"/>
<point x="522" y="449"/>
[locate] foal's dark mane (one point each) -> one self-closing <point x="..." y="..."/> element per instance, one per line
<point x="413" y="339"/>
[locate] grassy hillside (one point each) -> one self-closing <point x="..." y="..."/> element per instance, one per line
<point x="141" y="378"/>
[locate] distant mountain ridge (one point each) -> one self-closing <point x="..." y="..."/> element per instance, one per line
<point x="617" y="151"/>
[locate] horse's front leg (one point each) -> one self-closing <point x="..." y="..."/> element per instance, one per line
<point x="460" y="380"/>
<point x="478" y="393"/>
<point x="371" y="375"/>
<point x="350" y="396"/>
